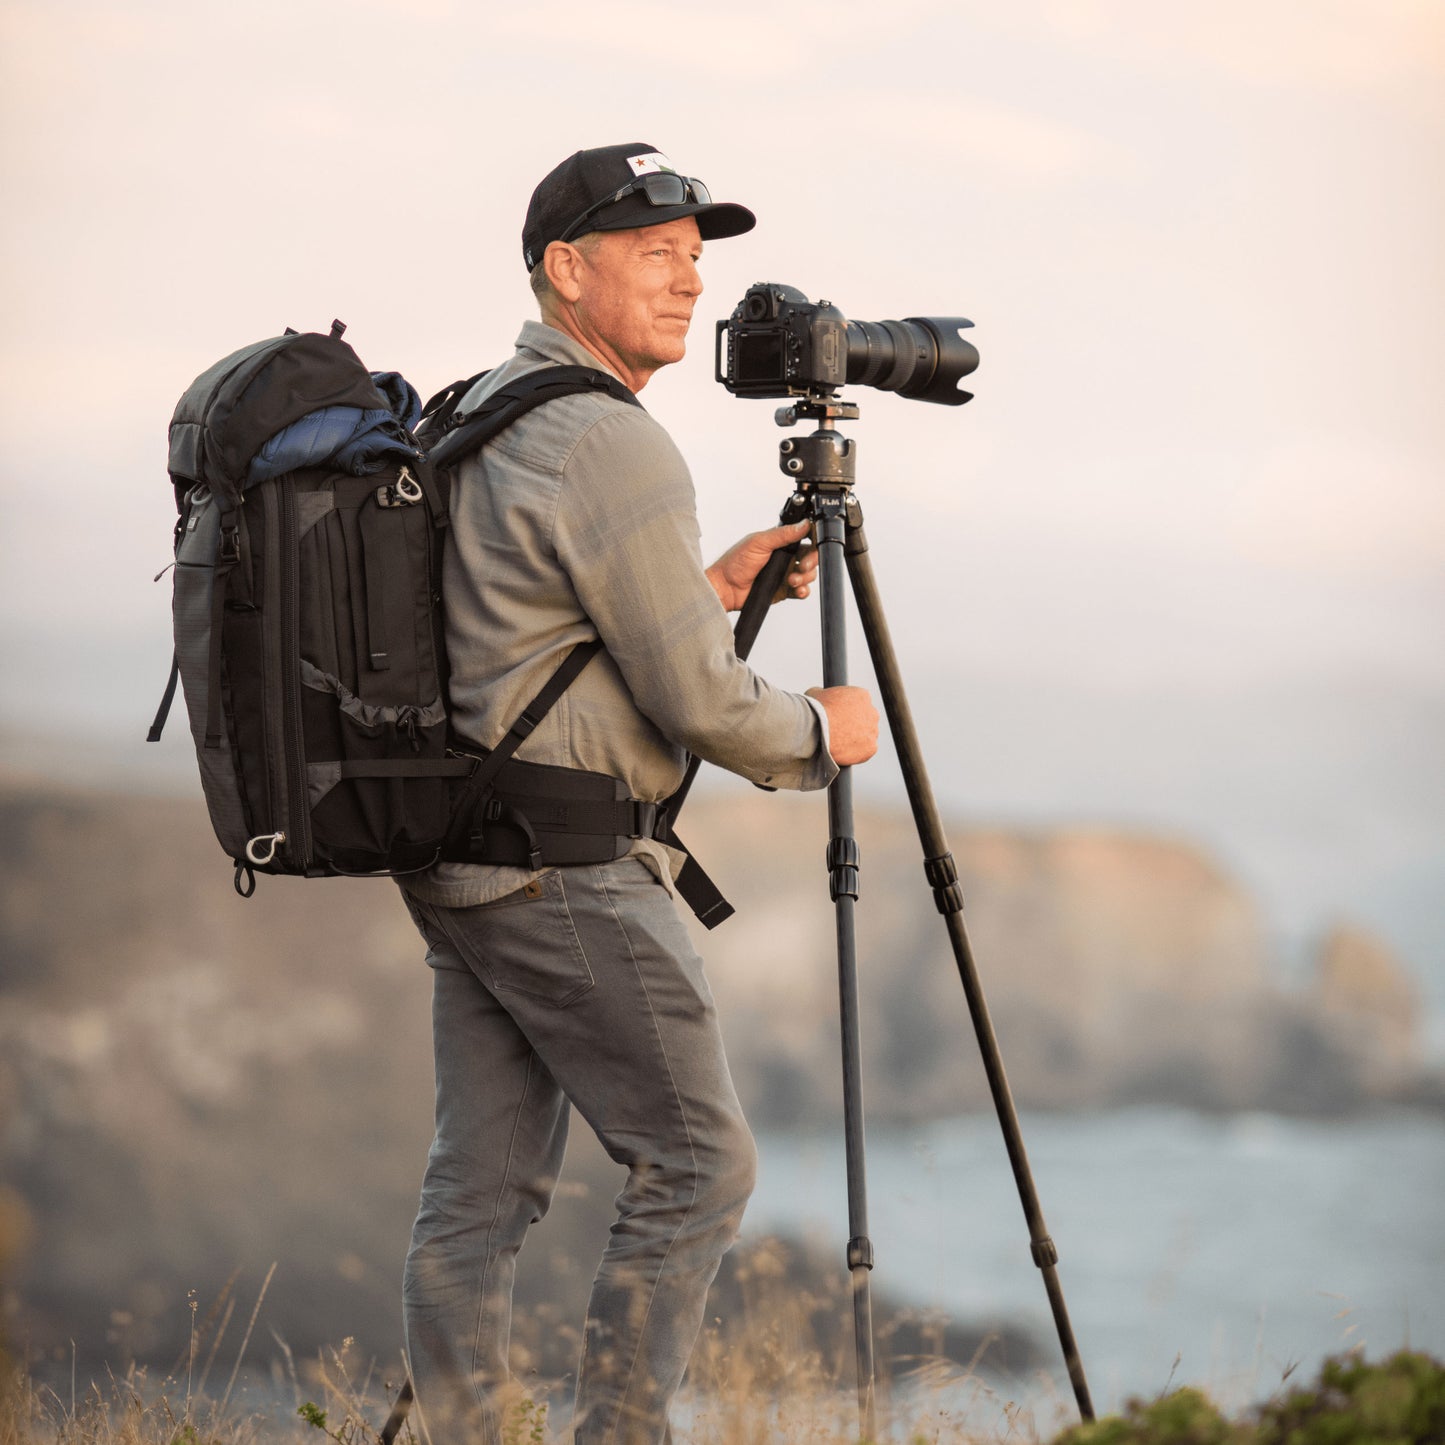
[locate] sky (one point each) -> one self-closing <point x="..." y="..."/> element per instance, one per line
<point x="1177" y="566"/>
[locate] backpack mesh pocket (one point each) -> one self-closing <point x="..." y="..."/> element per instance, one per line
<point x="362" y="823"/>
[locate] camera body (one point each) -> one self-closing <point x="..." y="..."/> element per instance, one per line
<point x="778" y="343"/>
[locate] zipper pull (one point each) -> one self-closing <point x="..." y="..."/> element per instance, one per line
<point x="262" y="849"/>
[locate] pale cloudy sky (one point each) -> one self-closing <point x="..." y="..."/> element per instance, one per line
<point x="1179" y="564"/>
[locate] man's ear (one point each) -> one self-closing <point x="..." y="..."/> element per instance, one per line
<point x="563" y="263"/>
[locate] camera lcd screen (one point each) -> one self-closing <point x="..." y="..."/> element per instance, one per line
<point x="758" y="356"/>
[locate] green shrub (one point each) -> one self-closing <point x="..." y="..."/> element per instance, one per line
<point x="1183" y="1417"/>
<point x="1400" y="1401"/>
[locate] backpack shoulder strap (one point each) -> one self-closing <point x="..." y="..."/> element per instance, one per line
<point x="464" y="805"/>
<point x="436" y="415"/>
<point x="464" y="432"/>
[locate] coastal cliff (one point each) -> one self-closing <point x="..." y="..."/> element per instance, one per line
<point x="1118" y="968"/>
<point x="189" y="1080"/>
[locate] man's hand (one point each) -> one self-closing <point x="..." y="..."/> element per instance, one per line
<point x="733" y="573"/>
<point x="852" y="723"/>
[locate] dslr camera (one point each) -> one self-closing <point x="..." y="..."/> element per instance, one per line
<point x="778" y="343"/>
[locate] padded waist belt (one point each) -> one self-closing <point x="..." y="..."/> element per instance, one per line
<point x="535" y="816"/>
<point x="538" y="816"/>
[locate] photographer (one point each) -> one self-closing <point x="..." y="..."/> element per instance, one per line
<point x="580" y="984"/>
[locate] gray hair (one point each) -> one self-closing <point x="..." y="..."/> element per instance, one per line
<point x="541" y="286"/>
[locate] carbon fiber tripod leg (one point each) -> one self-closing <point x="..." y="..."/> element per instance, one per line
<point x="843" y="862"/>
<point x="942" y="876"/>
<point x="398" y="1415"/>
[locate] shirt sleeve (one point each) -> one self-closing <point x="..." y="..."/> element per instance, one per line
<point x="626" y="533"/>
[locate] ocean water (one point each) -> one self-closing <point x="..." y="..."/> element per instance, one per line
<point x="1224" y="1252"/>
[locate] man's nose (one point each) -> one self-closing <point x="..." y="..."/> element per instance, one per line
<point x="690" y="279"/>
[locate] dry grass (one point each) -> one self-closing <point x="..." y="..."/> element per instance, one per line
<point x="180" y="1407"/>
<point x="766" y="1378"/>
<point x="761" y="1378"/>
<point x="737" y="1410"/>
<point x="136" y="1409"/>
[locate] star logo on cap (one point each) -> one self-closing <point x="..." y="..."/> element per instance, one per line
<point x="650" y="164"/>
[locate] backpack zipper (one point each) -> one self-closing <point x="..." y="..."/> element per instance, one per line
<point x="297" y="803"/>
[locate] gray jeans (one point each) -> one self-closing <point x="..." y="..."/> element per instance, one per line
<point x="582" y="986"/>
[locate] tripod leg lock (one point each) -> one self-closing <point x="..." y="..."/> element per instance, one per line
<point x="860" y="1252"/>
<point x="942" y="875"/>
<point x="1044" y="1251"/>
<point x="844" y="860"/>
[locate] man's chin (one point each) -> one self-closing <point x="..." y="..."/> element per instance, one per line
<point x="669" y="355"/>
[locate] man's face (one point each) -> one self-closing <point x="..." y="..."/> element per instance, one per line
<point x="638" y="289"/>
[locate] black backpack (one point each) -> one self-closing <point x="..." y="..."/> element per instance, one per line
<point x="308" y="626"/>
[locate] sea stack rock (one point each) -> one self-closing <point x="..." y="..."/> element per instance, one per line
<point x="1369" y="1008"/>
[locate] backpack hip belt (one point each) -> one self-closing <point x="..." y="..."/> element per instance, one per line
<point x="539" y="816"/>
<point x="536" y="815"/>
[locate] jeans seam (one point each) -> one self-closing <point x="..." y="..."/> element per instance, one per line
<point x="490" y="1254"/>
<point x="692" y="1151"/>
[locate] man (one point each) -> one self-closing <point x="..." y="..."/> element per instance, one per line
<point x="580" y="983"/>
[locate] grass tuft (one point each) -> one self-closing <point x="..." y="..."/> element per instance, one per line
<point x="764" y="1378"/>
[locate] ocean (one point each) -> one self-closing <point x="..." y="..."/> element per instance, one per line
<point x="1225" y="1252"/>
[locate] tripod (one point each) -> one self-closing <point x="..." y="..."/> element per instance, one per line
<point x="823" y="468"/>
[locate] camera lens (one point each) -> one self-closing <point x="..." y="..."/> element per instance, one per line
<point x="923" y="357"/>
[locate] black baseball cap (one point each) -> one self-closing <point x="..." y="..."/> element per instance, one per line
<point x="611" y="188"/>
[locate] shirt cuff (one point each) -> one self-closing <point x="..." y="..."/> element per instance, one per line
<point x="820" y="770"/>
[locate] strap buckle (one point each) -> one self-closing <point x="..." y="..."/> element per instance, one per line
<point x="644" y="819"/>
<point x="497" y="811"/>
<point x="525" y="725"/>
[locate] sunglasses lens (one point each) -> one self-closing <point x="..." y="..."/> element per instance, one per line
<point x="664" y="189"/>
<point x="661" y="188"/>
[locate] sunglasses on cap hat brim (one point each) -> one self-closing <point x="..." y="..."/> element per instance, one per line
<point x="662" y="188"/>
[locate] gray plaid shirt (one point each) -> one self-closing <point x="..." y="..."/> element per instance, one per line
<point x="580" y="521"/>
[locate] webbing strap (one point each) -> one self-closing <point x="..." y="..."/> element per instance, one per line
<point x="164" y="710"/>
<point x="698" y="891"/>
<point x="404" y="767"/>
<point x="438" y="410"/>
<point x="227" y="557"/>
<point x="470" y="430"/>
<point x="374" y="573"/>
<point x="486" y="770"/>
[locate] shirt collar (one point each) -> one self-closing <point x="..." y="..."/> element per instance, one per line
<point x="548" y="344"/>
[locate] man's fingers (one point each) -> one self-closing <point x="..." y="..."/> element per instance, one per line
<point x="801" y="574"/>
<point x="783" y="536"/>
